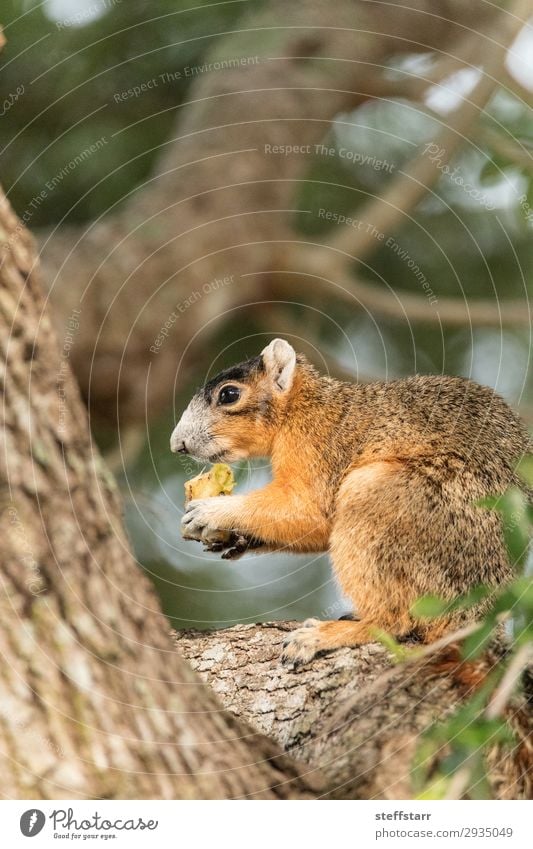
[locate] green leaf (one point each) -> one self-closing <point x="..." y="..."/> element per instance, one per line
<point x="524" y="469"/>
<point x="478" y="641"/>
<point x="491" y="502"/>
<point x="516" y="516"/>
<point x="399" y="652"/>
<point x="491" y="171"/>
<point x="473" y="597"/>
<point x="479" y="787"/>
<point x="430" y="607"/>
<point x="424" y="758"/>
<point x="517" y="598"/>
<point x="436" y="789"/>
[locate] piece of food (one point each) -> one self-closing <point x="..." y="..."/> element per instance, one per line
<point x="219" y="480"/>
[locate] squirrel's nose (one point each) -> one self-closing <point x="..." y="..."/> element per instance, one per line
<point x="177" y="443"/>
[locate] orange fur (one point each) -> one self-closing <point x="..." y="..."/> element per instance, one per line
<point x="276" y="516"/>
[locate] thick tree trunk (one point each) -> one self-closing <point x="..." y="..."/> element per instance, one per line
<point x="222" y="202"/>
<point x="94" y="701"/>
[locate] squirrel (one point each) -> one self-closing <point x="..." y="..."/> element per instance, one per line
<point x="386" y="476"/>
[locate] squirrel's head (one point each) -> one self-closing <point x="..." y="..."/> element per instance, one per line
<point x="235" y="415"/>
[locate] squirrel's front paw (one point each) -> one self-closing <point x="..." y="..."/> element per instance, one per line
<point x="302" y="644"/>
<point x="205" y="520"/>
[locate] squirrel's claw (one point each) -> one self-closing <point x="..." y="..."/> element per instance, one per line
<point x="199" y="522"/>
<point x="302" y="644"/>
<point x="191" y="527"/>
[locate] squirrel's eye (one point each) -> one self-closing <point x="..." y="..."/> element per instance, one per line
<point x="229" y="394"/>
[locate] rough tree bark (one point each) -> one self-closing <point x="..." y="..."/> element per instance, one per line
<point x="219" y="203"/>
<point x="94" y="701"/>
<point x="354" y="716"/>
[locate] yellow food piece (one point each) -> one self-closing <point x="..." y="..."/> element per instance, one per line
<point x="219" y="480"/>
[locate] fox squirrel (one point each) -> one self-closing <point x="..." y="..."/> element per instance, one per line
<point x="384" y="476"/>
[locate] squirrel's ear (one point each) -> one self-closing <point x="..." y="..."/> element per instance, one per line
<point x="280" y="361"/>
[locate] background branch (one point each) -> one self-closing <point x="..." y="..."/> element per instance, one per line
<point x="317" y="266"/>
<point x="387" y="212"/>
<point x="219" y="200"/>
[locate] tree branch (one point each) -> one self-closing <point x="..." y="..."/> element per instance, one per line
<point x="522" y="659"/>
<point x="508" y="147"/>
<point x="315" y="264"/>
<point x="387" y="212"/>
<point x="352" y="715"/>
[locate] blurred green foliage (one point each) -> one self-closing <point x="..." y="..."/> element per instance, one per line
<point x="76" y="80"/>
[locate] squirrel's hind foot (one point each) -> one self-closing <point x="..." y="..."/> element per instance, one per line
<point x="315" y="637"/>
